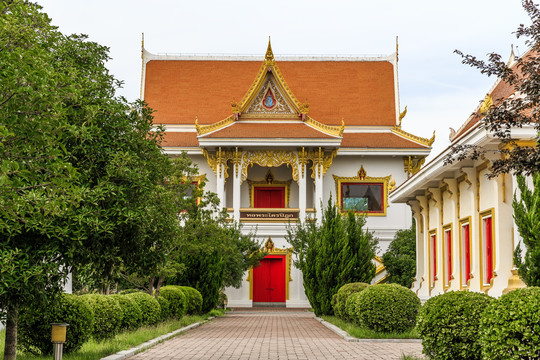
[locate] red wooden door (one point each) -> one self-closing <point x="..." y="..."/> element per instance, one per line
<point x="269" y="197"/>
<point x="269" y="280"/>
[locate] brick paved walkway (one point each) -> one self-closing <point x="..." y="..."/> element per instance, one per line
<point x="295" y="335"/>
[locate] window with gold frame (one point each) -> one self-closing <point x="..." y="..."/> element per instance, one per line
<point x="487" y="248"/>
<point x="268" y="183"/>
<point x="432" y="244"/>
<point x="465" y="251"/>
<point x="363" y="194"/>
<point x="448" y="259"/>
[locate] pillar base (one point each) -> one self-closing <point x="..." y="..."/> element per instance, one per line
<point x="514" y="282"/>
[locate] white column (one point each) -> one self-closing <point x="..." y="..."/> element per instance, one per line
<point x="302" y="192"/>
<point x="237" y="173"/>
<point x="318" y="192"/>
<point x="220" y="183"/>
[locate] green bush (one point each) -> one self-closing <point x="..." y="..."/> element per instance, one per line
<point x="350" y="307"/>
<point x="177" y="300"/>
<point x="151" y="311"/>
<point x="132" y="312"/>
<point x="129" y="291"/>
<point x="387" y="308"/>
<point x="34" y="328"/>
<point x="108" y="315"/>
<point x="165" y="307"/>
<point x="194" y="299"/>
<point x="343" y="294"/>
<point x="221" y="300"/>
<point x="510" y="326"/>
<point x="449" y="325"/>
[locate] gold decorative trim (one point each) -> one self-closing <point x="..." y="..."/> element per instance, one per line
<point x="270" y="158"/>
<point x="321" y="161"/>
<point x="420" y="140"/>
<point x="217" y="161"/>
<point x="479" y="169"/>
<point x="269" y="183"/>
<point x="432" y="269"/>
<point x="363" y="178"/>
<point x="464" y="221"/>
<point x="327" y="129"/>
<point x="271" y="250"/>
<point x="205" y="129"/>
<point x="302" y="160"/>
<point x="413" y="164"/>
<point x="445" y="255"/>
<point x="486" y="104"/>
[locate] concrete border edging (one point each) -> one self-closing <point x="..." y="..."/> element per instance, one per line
<point x="124" y="354"/>
<point x="349" y="338"/>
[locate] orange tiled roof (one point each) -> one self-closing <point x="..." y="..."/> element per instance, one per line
<point x="378" y="140"/>
<point x="269" y="130"/>
<point x="180" y="139"/>
<point x="360" y="92"/>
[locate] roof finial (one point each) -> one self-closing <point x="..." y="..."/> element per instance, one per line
<point x="512" y="56"/>
<point x="269" y="57"/>
<point x="397" y="48"/>
<point x="142" y="45"/>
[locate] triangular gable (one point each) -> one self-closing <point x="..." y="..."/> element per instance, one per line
<point x="270" y="102"/>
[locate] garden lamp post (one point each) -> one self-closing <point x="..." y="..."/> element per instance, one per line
<point x="58" y="338"/>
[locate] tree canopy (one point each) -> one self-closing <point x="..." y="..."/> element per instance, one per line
<point x="400" y="259"/>
<point x="517" y="111"/>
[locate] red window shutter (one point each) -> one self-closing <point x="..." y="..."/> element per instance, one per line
<point x="467" y="254"/>
<point x="489" y="249"/>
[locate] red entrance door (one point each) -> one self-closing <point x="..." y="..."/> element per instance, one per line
<point x="269" y="197"/>
<point x="269" y="280"/>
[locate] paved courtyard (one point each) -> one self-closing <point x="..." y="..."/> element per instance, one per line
<point x="271" y="334"/>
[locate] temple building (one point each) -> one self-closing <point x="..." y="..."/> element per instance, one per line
<point x="277" y="138"/>
<point x="466" y="234"/>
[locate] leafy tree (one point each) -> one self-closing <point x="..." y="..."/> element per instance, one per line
<point x="527" y="218"/>
<point x="514" y="111"/>
<point x="80" y="169"/>
<point x="338" y="252"/>
<point x="400" y="259"/>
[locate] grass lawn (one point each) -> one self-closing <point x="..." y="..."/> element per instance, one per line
<point x="363" y="333"/>
<point x="93" y="350"/>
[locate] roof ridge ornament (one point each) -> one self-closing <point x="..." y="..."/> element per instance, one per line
<point x="269" y="57"/>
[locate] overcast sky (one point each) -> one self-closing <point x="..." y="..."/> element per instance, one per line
<point x="439" y="91"/>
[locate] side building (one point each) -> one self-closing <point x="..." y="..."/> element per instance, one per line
<point x="276" y="139"/>
<point x="466" y="234"/>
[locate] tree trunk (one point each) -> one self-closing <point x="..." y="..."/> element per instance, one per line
<point x="159" y="283"/>
<point x="151" y="285"/>
<point x="10" y="349"/>
<point x="108" y="289"/>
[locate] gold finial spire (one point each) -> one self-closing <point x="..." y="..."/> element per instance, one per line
<point x="397" y="48"/>
<point x="269" y="57"/>
<point x="142" y="45"/>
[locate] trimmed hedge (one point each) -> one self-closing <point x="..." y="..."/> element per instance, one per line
<point x="194" y="299"/>
<point x="449" y="325"/>
<point x="108" y="315"/>
<point x="350" y="308"/>
<point x="34" y="327"/>
<point x="132" y="312"/>
<point x="387" y="308"/>
<point x="151" y="311"/>
<point x="177" y="300"/>
<point x="510" y="326"/>
<point x="165" y="308"/>
<point x="343" y="294"/>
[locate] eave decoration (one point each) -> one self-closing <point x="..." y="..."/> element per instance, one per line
<point x="389" y="184"/>
<point x="270" y="249"/>
<point x="269" y="96"/>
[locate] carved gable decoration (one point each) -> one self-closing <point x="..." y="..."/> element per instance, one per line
<point x="269" y="101"/>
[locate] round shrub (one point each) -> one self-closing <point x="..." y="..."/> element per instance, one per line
<point x="350" y="308"/>
<point x="343" y="294"/>
<point x="221" y="300"/>
<point x="194" y="299"/>
<point x="449" y="325"/>
<point x="510" y="326"/>
<point x="151" y="311"/>
<point x="129" y="291"/>
<point x="165" y="308"/>
<point x="177" y="300"/>
<point x="108" y="315"/>
<point x="132" y="312"/>
<point x="387" y="308"/>
<point x="34" y="327"/>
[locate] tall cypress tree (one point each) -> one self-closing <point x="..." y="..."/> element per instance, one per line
<point x="527" y="218"/>
<point x="338" y="252"/>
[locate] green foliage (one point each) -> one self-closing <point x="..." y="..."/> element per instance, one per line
<point x="165" y="308"/>
<point x="108" y="315"/>
<point x="387" y="308"/>
<point x="400" y="259"/>
<point x="449" y="325"/>
<point x="177" y="300"/>
<point x="527" y="218"/>
<point x="350" y="308"/>
<point x="343" y="294"/>
<point x="151" y="312"/>
<point x="510" y="326"/>
<point x="194" y="299"/>
<point x="338" y="252"/>
<point x="132" y="312"/>
<point x="35" y="324"/>
<point x="221" y="300"/>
